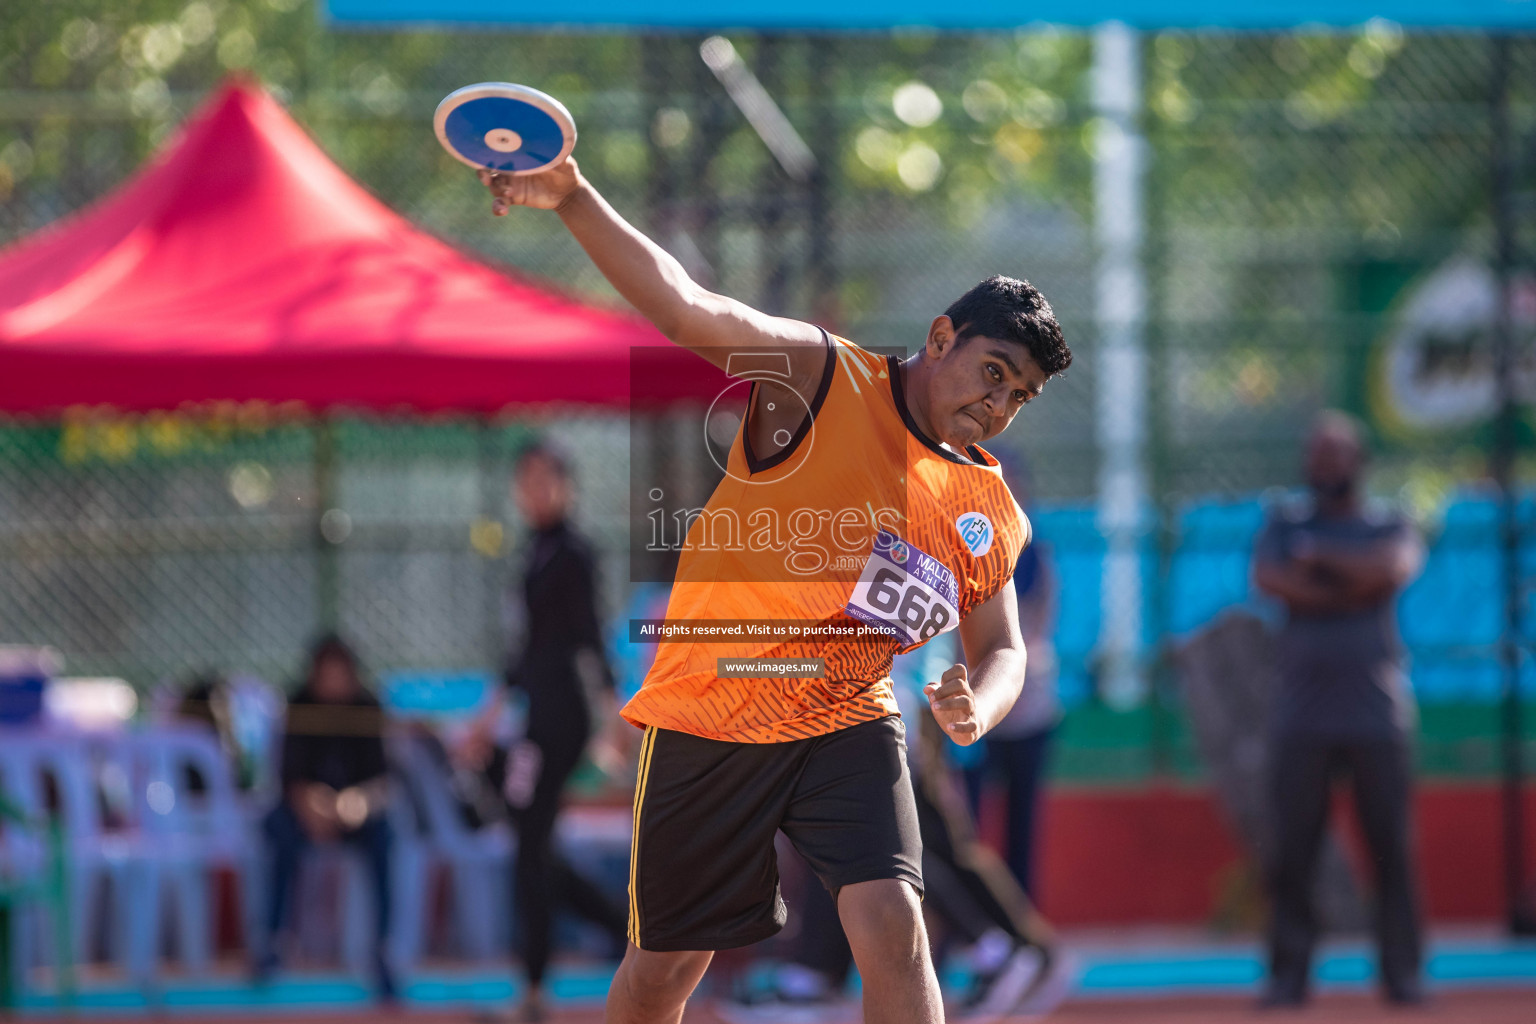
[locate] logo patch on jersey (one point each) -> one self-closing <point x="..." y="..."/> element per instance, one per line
<point x="976" y="530"/>
<point x="916" y="598"/>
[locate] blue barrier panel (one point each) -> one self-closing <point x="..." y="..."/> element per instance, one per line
<point x="1450" y="617"/>
<point x="978" y="14"/>
<point x="436" y="695"/>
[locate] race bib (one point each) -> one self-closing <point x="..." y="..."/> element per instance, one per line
<point x="907" y="590"/>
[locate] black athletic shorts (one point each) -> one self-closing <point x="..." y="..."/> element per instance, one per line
<point x="702" y="869"/>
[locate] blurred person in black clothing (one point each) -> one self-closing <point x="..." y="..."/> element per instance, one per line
<point x="560" y="667"/>
<point x="334" y="778"/>
<point x="1343" y="707"/>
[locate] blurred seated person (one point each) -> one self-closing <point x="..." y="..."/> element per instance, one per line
<point x="334" y="789"/>
<point x="203" y="703"/>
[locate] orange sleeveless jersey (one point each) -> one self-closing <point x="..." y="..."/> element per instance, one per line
<point x="862" y="522"/>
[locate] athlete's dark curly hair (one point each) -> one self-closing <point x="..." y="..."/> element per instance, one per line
<point x="1008" y="309"/>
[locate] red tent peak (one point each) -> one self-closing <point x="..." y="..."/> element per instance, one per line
<point x="241" y="147"/>
<point x="242" y="265"/>
<point x="240" y="173"/>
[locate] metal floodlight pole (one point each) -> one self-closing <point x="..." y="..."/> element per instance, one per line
<point x="703" y="191"/>
<point x="1519" y="917"/>
<point x="761" y="112"/>
<point x="659" y="197"/>
<point x="774" y="195"/>
<point x="820" y="215"/>
<point x="1118" y="170"/>
<point x="491" y="482"/>
<point x="326" y="553"/>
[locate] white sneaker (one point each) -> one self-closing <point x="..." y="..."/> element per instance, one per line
<point x="778" y="1010"/>
<point x="1001" y="994"/>
<point x="1051" y="989"/>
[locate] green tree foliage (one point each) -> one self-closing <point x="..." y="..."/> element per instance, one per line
<point x="1285" y="170"/>
<point x="1371" y="133"/>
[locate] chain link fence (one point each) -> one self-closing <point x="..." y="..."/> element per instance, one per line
<point x="1318" y="232"/>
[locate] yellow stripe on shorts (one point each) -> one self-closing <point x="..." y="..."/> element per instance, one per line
<point x="647" y="745"/>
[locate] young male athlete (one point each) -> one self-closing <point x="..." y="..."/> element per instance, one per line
<point x="855" y="496"/>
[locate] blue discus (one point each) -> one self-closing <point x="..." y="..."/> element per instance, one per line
<point x="505" y="127"/>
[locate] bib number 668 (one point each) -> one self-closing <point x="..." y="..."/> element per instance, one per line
<point x="894" y="593"/>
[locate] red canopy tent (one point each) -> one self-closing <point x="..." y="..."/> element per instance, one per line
<point x="243" y="265"/>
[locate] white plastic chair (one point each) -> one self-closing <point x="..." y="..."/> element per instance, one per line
<point x="94" y="856"/>
<point x="477" y="861"/>
<point x="25" y="879"/>
<point x="187" y="836"/>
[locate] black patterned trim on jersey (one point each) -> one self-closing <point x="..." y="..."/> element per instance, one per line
<point x="899" y="393"/>
<point x="756" y="465"/>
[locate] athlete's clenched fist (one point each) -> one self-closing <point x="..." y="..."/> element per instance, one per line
<point x="954" y="706"/>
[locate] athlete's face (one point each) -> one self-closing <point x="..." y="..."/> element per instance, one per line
<point x="978" y="384"/>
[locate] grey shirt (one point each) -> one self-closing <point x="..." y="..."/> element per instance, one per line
<point x="1341" y="676"/>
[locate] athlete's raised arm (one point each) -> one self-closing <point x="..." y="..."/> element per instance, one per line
<point x="652" y="281"/>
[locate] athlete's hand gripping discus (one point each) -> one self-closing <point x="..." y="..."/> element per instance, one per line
<point x="504" y="127"/>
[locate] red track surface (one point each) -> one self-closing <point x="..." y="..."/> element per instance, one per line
<point x="1513" y="1006"/>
